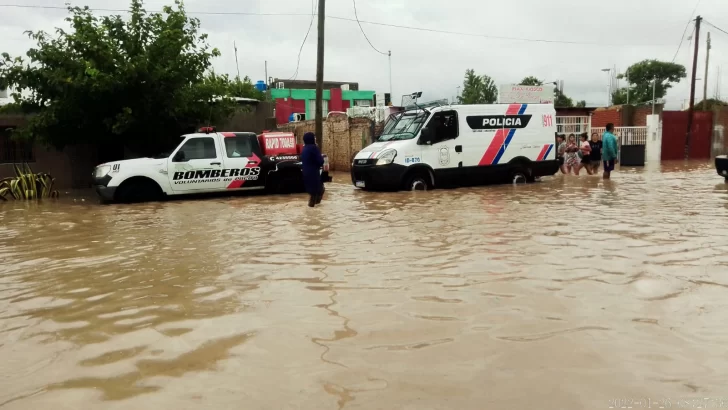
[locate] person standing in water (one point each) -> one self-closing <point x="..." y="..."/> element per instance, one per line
<point x="596" y="152"/>
<point x="312" y="161"/>
<point x="571" y="158"/>
<point x="560" y="151"/>
<point x="609" y="151"/>
<point x="585" y="151"/>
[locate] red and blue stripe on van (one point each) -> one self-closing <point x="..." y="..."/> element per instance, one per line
<point x="545" y="151"/>
<point x="503" y="137"/>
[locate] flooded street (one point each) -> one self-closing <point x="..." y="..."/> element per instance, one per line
<point x="572" y="293"/>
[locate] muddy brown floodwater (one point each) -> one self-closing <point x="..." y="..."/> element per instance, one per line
<point x="572" y="293"/>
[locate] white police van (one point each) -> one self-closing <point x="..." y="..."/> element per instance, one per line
<point x="460" y="145"/>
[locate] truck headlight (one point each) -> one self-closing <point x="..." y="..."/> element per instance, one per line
<point x="101" y="171"/>
<point x="386" y="157"/>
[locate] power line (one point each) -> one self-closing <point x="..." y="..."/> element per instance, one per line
<point x="300" y="50"/>
<point x="362" y="30"/>
<point x="422" y="29"/>
<point x="682" y="40"/>
<point x="715" y="27"/>
<point x="211" y="13"/>
<point x="690" y="20"/>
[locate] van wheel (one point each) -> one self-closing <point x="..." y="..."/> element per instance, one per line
<point x="521" y="175"/>
<point x="141" y="190"/>
<point x="418" y="181"/>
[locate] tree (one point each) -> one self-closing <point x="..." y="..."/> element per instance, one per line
<point x="640" y="77"/>
<point x="560" y="99"/>
<point x="581" y="104"/>
<point x="478" y="89"/>
<point x="244" y="88"/>
<point x="140" y="81"/>
<point x="531" y="80"/>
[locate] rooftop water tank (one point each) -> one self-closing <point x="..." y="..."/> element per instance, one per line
<point x="260" y="86"/>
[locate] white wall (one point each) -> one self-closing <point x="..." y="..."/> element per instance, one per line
<point x="653" y="149"/>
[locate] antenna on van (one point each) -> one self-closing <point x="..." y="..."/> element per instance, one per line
<point x="415" y="96"/>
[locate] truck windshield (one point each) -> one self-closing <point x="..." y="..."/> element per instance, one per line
<point x="171" y="146"/>
<point x="404" y="127"/>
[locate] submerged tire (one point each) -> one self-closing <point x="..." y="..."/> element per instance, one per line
<point x="418" y="181"/>
<point x="139" y="190"/>
<point x="521" y="175"/>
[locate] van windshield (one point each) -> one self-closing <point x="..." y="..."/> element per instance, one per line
<point x="404" y="127"/>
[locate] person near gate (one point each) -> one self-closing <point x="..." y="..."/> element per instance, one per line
<point x="560" y="151"/>
<point x="585" y="154"/>
<point x="312" y="161"/>
<point x="571" y="157"/>
<point x="610" y="152"/>
<point x="596" y="152"/>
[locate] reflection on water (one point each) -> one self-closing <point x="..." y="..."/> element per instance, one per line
<point x="563" y="294"/>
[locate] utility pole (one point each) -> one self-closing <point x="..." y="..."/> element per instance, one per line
<point x="654" y="84"/>
<point x="235" y="46"/>
<point x="267" y="87"/>
<point x="320" y="75"/>
<point x="705" y="79"/>
<point x="691" y="108"/>
<point x="389" y="53"/>
<point x="653" y="91"/>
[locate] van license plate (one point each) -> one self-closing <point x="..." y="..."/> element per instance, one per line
<point x="359" y="184"/>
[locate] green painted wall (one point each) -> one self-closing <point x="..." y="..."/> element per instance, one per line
<point x="309" y="95"/>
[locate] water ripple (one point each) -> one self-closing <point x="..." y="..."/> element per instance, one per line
<point x="576" y="290"/>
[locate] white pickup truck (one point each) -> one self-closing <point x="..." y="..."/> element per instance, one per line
<point x="208" y="162"/>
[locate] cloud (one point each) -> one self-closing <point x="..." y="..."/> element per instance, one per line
<point x="619" y="33"/>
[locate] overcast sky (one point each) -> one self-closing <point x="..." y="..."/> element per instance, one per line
<point x="620" y="32"/>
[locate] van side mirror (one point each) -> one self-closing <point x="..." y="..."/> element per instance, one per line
<point x="427" y="136"/>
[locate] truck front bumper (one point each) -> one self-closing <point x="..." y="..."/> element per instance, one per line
<point x="106" y="193"/>
<point x="102" y="188"/>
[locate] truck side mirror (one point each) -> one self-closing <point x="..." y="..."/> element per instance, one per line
<point x="427" y="136"/>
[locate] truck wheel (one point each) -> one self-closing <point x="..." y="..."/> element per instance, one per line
<point x="418" y="181"/>
<point x="141" y="190"/>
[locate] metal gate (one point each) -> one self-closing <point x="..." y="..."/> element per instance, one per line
<point x="572" y="125"/>
<point x="632" y="143"/>
<point x="673" y="135"/>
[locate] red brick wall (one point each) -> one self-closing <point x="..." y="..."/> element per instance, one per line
<point x="573" y="112"/>
<point x="639" y="119"/>
<point x="601" y="117"/>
